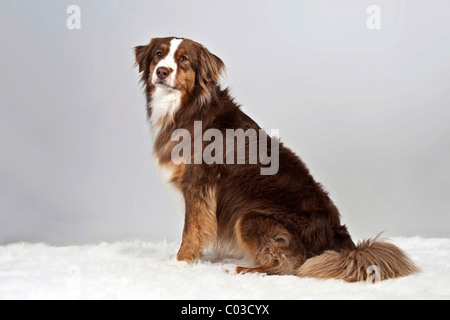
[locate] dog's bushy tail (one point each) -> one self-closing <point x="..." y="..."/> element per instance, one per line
<point x="372" y="259"/>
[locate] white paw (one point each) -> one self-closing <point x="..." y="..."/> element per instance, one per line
<point x="179" y="264"/>
<point x="231" y="270"/>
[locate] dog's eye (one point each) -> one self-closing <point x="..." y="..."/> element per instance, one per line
<point x="183" y="58"/>
<point x="159" y="54"/>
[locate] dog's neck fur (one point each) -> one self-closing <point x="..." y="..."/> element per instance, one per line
<point x="164" y="103"/>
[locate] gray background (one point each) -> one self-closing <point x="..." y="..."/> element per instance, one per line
<point x="367" y="110"/>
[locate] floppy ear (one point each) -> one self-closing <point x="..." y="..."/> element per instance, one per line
<point x="210" y="68"/>
<point x="141" y="53"/>
<point x="143" y="61"/>
<point x="144" y="58"/>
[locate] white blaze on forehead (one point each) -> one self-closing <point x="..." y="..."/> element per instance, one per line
<point x="165" y="100"/>
<point x="169" y="62"/>
<point x="170" y="58"/>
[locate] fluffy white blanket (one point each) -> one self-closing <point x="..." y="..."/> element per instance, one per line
<point x="143" y="270"/>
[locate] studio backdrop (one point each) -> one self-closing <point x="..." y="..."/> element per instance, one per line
<point x="359" y="89"/>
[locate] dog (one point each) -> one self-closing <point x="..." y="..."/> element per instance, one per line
<point x="284" y="223"/>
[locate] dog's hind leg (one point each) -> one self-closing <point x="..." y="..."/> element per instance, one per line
<point x="270" y="244"/>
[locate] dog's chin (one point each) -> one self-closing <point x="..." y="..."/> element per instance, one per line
<point x="164" y="85"/>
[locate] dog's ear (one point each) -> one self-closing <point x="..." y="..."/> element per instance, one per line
<point x="210" y="67"/>
<point x="144" y="58"/>
<point x="141" y="54"/>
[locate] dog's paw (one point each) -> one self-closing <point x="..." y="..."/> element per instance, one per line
<point x="231" y="270"/>
<point x="179" y="264"/>
<point x="187" y="255"/>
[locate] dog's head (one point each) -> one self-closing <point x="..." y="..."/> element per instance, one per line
<point x="178" y="64"/>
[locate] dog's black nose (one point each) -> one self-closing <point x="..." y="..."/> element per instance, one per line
<point x="162" y="73"/>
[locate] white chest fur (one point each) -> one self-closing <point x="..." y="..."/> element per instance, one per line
<point x="165" y="102"/>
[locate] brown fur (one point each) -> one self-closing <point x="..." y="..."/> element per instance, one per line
<point x="285" y="222"/>
<point x="353" y="265"/>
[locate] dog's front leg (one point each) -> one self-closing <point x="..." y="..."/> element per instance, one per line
<point x="200" y="223"/>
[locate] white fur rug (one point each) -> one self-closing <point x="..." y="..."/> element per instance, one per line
<point x="142" y="270"/>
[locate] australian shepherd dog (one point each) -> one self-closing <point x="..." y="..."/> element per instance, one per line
<point x="274" y="214"/>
